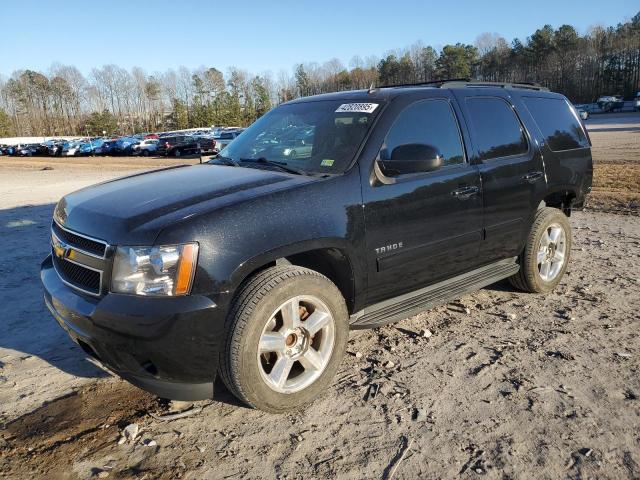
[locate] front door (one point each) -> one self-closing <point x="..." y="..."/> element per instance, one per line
<point x="421" y="227"/>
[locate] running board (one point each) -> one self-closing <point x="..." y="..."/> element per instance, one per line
<point x="412" y="303"/>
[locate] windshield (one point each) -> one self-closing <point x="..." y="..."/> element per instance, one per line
<point x="315" y="137"/>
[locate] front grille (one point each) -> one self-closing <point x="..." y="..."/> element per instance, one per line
<point x="78" y="276"/>
<point x="79" y="260"/>
<point x="80" y="242"/>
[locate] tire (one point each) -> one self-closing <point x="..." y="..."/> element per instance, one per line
<point x="145" y="153"/>
<point x="256" y="315"/>
<point x="531" y="277"/>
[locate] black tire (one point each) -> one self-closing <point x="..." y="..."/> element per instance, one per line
<point x="252" y="308"/>
<point x="145" y="153"/>
<point x="528" y="279"/>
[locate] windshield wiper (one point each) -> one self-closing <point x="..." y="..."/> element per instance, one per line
<point x="224" y="161"/>
<point x="281" y="165"/>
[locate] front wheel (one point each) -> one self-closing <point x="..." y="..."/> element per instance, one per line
<point x="286" y="335"/>
<point x="546" y="253"/>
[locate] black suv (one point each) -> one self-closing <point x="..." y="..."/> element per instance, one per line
<point x="256" y="264"/>
<point x="180" y="146"/>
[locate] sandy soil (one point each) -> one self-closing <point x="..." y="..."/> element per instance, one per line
<point x="509" y="385"/>
<point x="616" y="156"/>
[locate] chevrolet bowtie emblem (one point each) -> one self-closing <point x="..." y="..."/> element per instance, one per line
<point x="60" y="248"/>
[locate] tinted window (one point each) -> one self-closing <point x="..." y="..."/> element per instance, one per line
<point x="498" y="131"/>
<point x="428" y="122"/>
<point x="558" y="124"/>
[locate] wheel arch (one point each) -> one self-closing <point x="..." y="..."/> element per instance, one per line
<point x="562" y="199"/>
<point x="332" y="260"/>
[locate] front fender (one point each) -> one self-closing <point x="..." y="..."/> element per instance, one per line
<point x="240" y="238"/>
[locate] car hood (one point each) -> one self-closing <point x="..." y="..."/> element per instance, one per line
<point x="134" y="209"/>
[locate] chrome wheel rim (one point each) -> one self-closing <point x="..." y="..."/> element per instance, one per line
<point x="551" y="252"/>
<point x="296" y="344"/>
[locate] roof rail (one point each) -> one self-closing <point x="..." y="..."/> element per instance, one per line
<point x="479" y="84"/>
<point x="424" y="84"/>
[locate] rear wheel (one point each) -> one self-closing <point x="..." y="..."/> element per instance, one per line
<point x="286" y="335"/>
<point x="546" y="253"/>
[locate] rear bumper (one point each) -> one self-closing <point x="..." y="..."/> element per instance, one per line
<point x="167" y="346"/>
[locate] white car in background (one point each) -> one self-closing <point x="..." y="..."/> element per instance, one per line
<point x="636" y="102"/>
<point x="146" y="147"/>
<point x="582" y="111"/>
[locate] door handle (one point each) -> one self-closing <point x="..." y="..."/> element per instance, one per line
<point x="533" y="177"/>
<point x="464" y="193"/>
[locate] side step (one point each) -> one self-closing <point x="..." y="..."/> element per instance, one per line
<point x="412" y="303"/>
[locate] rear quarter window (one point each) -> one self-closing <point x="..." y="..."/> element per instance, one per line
<point x="557" y="122"/>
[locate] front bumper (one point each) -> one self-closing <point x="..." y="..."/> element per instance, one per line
<point x="167" y="346"/>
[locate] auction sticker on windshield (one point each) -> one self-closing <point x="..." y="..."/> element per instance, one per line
<point x="357" y="107"/>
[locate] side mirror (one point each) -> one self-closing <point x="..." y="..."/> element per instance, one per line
<point x="412" y="158"/>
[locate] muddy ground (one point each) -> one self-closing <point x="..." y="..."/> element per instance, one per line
<point x="508" y="385"/>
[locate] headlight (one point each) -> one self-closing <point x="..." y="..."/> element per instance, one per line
<point x="160" y="271"/>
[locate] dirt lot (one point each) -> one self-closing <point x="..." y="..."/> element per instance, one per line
<point x="509" y="385"/>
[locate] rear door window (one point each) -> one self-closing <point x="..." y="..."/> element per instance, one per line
<point x="497" y="128"/>
<point x="557" y="122"/>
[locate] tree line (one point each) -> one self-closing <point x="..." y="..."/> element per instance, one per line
<point x="111" y="99"/>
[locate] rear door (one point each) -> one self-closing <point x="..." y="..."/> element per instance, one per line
<point x="424" y="227"/>
<point x="564" y="143"/>
<point x="511" y="169"/>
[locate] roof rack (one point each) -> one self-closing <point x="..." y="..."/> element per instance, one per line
<point x="422" y="84"/>
<point x="479" y="84"/>
<point x="464" y="82"/>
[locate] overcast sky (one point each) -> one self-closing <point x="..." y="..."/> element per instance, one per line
<point x="261" y="36"/>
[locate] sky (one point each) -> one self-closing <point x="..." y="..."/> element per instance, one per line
<point x="265" y="36"/>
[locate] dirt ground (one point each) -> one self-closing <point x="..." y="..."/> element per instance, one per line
<point x="508" y="385"/>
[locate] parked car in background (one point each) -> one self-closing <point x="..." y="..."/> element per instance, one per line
<point x="301" y="144"/>
<point x="168" y="144"/>
<point x="107" y="147"/>
<point x="610" y="103"/>
<point x="27" y="150"/>
<point x="124" y="145"/>
<point x="182" y="145"/>
<point x="146" y="147"/>
<point x="83" y="147"/>
<point x="636" y="102"/>
<point x="190" y="145"/>
<point x="583" y="113"/>
<point x="51" y="147"/>
<point x="72" y="149"/>
<point x="11" y="150"/>
<point x="224" y="138"/>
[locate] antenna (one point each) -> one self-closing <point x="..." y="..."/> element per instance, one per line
<point x="372" y="88"/>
